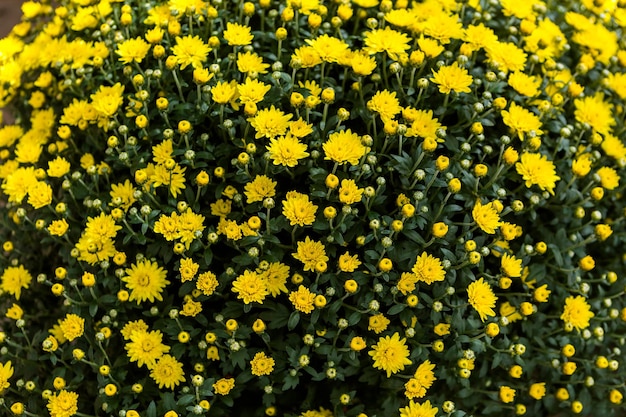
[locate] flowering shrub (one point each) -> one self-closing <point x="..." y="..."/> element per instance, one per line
<point x="298" y="208"/>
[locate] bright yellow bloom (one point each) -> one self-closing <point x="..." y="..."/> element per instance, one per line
<point x="482" y="298"/>
<point x="507" y="394"/>
<point x="275" y="277"/>
<point x="132" y="50"/>
<point x="522" y="122"/>
<point x="511" y="266"/>
<point x="423" y="379"/>
<point x="390" y="354"/>
<point x="167" y="372"/>
<point x="261" y="364"/>
<point x="385" y="103"/>
<point x="595" y="112"/>
<point x="146" y="347"/>
<point x="237" y="35"/>
<point x="387" y="40"/>
<point x="190" y="50"/>
<point x="526" y="85"/>
<point x="486" y="217"/>
<point x="536" y="169"/>
<point x="63" y="404"/>
<point x="250" y="287"/>
<point x="349" y="192"/>
<point x="428" y="269"/>
<point x="224" y="385"/>
<point x="270" y="123"/>
<point x="72" y="326"/>
<point x="146" y="280"/>
<point x="259" y="189"/>
<point x="287" y="150"/>
<point x="310" y="252"/>
<point x="298" y="209"/>
<point x="6" y="372"/>
<point x="302" y="299"/>
<point x="577" y="312"/>
<point x="452" y="78"/>
<point x="414" y="409"/>
<point x="344" y="146"/>
<point x="14" y="279"/>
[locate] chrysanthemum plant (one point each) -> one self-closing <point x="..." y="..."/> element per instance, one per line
<point x="307" y="208"/>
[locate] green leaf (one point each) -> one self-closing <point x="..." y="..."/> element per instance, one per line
<point x="294" y="318"/>
<point x="151" y="411"/>
<point x="396" y="309"/>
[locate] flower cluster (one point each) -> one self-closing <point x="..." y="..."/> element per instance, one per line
<point x="313" y="209"/>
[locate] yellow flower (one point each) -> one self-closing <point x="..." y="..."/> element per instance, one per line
<point x="510" y="266"/>
<point x="133" y="326"/>
<point x="17" y="184"/>
<point x="207" y="283"/>
<point x="428" y="269"/>
<point x="132" y="50"/>
<point x="275" y="276"/>
<point x="536" y="169"/>
<point x="385" y="103"/>
<point x="423" y="379"/>
<point x="609" y="178"/>
<point x="486" y="217"/>
<point x="298" y="209"/>
<point x="387" y="40"/>
<point x="344" y="146"/>
<point x="521" y="121"/>
<point x="167" y="372"/>
<point x="362" y="64"/>
<point x="249" y="62"/>
<point x="482" y="298"/>
<point x="58" y="167"/>
<point x="39" y="195"/>
<point x="72" y="326"/>
<point x="123" y="195"/>
<point x="259" y="189"/>
<point x="577" y="312"/>
<point x="15" y="312"/>
<point x="349" y="192"/>
<point x="302" y="299"/>
<point x="146" y="280"/>
<point x="190" y="50"/>
<point x="537" y="390"/>
<point x="270" y="123"/>
<point x="595" y="112"/>
<point x="378" y="323"/>
<point x="328" y="48"/>
<point x="348" y="263"/>
<point x="406" y="283"/>
<point x="414" y="409"/>
<point x="187" y="269"/>
<point x="261" y="364"/>
<point x="452" y="78"/>
<point x="506" y="56"/>
<point x="224" y="385"/>
<point x="63" y="404"/>
<point x="310" y="253"/>
<point x="14" y="279"/>
<point x="224" y="92"/>
<point x="507" y="394"/>
<point x="6" y="372"/>
<point x="423" y="124"/>
<point x="479" y="36"/>
<point x="252" y="91"/>
<point x="250" y="287"/>
<point x="526" y="85"/>
<point x="237" y="35"/>
<point x="287" y="150"/>
<point x="173" y="177"/>
<point x="146" y="347"/>
<point x="390" y="354"/>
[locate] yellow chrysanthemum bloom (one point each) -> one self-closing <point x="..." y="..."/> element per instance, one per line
<point x="536" y="169"/>
<point x="6" y="372"/>
<point x="486" y="217"/>
<point x="146" y="347"/>
<point x="414" y="409"/>
<point x="261" y="364"/>
<point x="298" y="209"/>
<point x="250" y="287"/>
<point x="428" y="269"/>
<point x="167" y="372"/>
<point x="482" y="298"/>
<point x="390" y="354"/>
<point x="146" y="280"/>
<point x="344" y="146"/>
<point x="302" y="299"/>
<point x="577" y="312"/>
<point x="287" y="150"/>
<point x="452" y="78"/>
<point x="270" y="123"/>
<point x="63" y="404"/>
